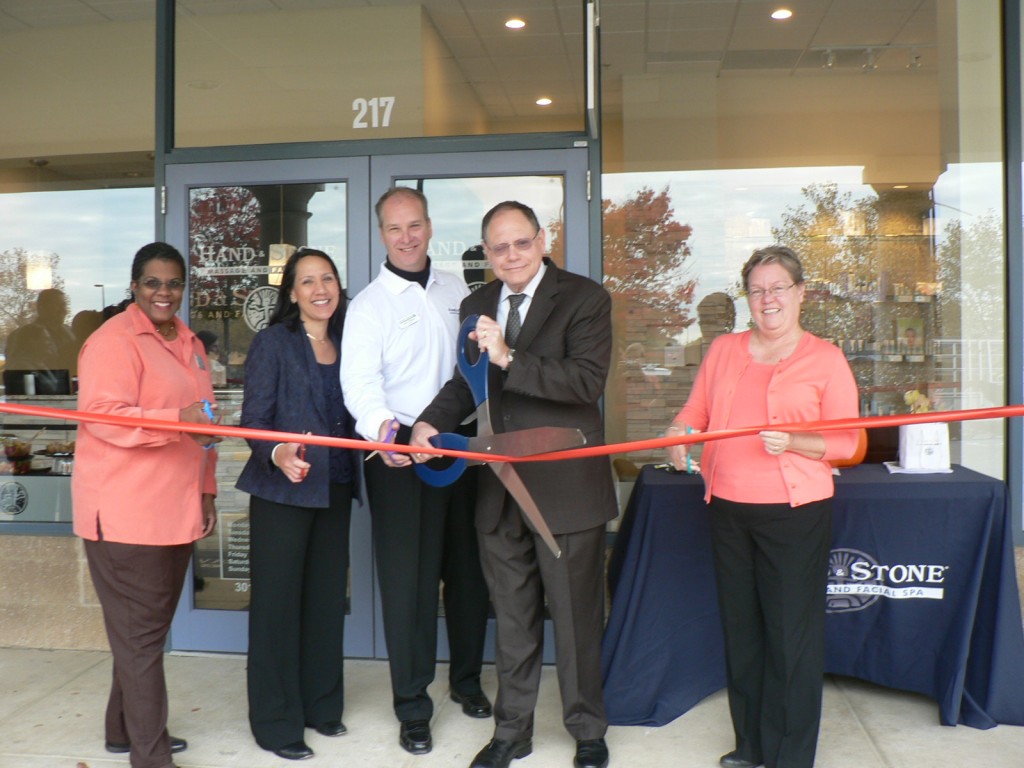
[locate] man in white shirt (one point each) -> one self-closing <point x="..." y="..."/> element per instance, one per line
<point x="398" y="349"/>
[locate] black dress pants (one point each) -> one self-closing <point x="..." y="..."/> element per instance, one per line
<point x="299" y="560"/>
<point x="771" y="566"/>
<point x="421" y="536"/>
<point x="138" y="587"/>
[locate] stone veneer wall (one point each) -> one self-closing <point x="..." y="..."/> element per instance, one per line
<point x="46" y="595"/>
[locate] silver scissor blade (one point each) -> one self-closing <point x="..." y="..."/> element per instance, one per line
<point x="515" y="486"/>
<point x="528" y="442"/>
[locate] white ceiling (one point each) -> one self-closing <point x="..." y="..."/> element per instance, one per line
<point x="638" y="37"/>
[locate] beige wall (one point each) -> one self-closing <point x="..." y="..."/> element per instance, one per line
<point x="77" y="90"/>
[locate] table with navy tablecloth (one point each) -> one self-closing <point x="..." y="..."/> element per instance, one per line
<point x="922" y="596"/>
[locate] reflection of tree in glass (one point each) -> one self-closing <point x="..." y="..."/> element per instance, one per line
<point x="983" y="300"/>
<point x="645" y="250"/>
<point x="17" y="303"/>
<point x="863" y="260"/>
<point x="221" y="217"/>
<point x="645" y="270"/>
<point x="833" y="235"/>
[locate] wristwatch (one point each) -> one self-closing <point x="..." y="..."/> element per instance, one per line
<point x="509" y="357"/>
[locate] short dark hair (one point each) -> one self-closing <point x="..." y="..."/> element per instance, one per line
<point x="774" y="254"/>
<point x="158" y="250"/>
<point x="401" y="191"/>
<point x="508" y="205"/>
<point x="287" y="311"/>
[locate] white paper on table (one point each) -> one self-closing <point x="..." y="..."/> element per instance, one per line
<point x="895" y="469"/>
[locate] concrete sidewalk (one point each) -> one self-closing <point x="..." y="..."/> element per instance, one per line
<point x="52" y="704"/>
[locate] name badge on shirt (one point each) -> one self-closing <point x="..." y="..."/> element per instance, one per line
<point x="199" y="362"/>
<point x="408" y="320"/>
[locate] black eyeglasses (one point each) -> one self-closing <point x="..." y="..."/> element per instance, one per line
<point x="152" y="284"/>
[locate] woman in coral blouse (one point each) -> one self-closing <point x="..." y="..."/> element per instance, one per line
<point x="142" y="496"/>
<point x="770" y="498"/>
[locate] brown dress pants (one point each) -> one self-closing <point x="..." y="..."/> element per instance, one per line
<point x="138" y="587"/>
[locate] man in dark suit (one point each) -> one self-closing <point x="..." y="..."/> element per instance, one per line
<point x="548" y="336"/>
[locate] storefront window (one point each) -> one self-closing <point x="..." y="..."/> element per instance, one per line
<point x="879" y="163"/>
<point x="312" y="72"/>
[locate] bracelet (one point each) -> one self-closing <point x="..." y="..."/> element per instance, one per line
<point x="273" y="455"/>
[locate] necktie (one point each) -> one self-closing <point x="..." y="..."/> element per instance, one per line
<point x="514" y="323"/>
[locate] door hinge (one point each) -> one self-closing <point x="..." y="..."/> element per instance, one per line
<point x="163" y="200"/>
<point x="588" y="185"/>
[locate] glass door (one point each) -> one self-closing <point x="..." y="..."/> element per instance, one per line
<point x="238" y="222"/>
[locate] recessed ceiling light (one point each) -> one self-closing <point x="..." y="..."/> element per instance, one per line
<point x="781" y="13"/>
<point x="900" y="186"/>
<point x="515" y="23"/>
<point x="543" y="102"/>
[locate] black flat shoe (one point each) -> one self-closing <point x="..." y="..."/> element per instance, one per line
<point x="473" y="704"/>
<point x="731" y="760"/>
<point x="331" y="728"/>
<point x="591" y="753"/>
<point x="499" y="753"/>
<point x="297" y="750"/>
<point x="414" y="736"/>
<point x="177" y="745"/>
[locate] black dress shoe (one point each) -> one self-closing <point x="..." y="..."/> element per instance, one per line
<point x="297" y="750"/>
<point x="473" y="704"/>
<point x="591" y="753"/>
<point x="732" y="760"/>
<point x="118" y="748"/>
<point x="414" y="736"/>
<point x="331" y="728"/>
<point x="498" y="754"/>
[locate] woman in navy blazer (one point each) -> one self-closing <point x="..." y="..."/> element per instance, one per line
<point x="299" y="511"/>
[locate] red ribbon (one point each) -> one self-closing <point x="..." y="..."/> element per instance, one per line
<point x="973" y="414"/>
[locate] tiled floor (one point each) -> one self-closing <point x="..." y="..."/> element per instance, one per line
<point x="51" y="710"/>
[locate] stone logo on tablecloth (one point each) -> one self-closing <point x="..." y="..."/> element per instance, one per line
<point x="856" y="580"/>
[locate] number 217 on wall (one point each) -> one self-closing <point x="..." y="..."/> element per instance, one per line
<point x="372" y="113"/>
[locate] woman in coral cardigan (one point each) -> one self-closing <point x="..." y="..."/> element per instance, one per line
<point x="770" y="496"/>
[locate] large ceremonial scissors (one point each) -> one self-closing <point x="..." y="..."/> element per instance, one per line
<point x="522" y="442"/>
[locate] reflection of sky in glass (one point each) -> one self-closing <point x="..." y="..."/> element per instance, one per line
<point x="328" y="223"/>
<point x="458" y="205"/>
<point x="95" y="232"/>
<point x="732" y="212"/>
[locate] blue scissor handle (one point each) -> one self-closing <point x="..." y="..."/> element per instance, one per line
<point x="438" y="478"/>
<point x="475" y="375"/>
<point x="208" y="410"/>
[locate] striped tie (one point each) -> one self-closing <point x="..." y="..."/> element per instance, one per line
<point x="514" y="323"/>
